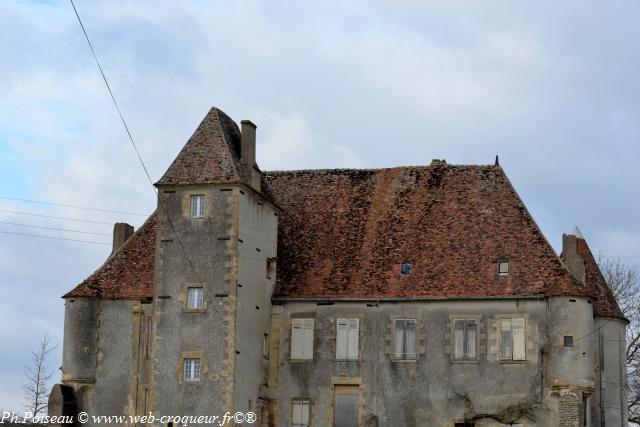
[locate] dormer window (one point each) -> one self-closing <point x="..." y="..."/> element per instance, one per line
<point x="503" y="267"/>
<point x="197" y="206"/>
<point x="405" y="268"/>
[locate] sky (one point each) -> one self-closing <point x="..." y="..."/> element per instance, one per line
<point x="550" y="87"/>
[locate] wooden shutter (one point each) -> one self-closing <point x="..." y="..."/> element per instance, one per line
<point x="342" y="337"/>
<point x="308" y="339"/>
<point x="519" y="341"/>
<point x="302" y="338"/>
<point x="458" y="339"/>
<point x="352" y="338"/>
<point x="410" y="345"/>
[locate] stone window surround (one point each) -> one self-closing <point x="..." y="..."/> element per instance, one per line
<point x="180" y="368"/>
<point x="186" y="203"/>
<point x="480" y="333"/>
<point x="183" y="298"/>
<point x="333" y="337"/>
<point x="500" y="317"/>
<point x="289" y="329"/>
<point x="420" y="338"/>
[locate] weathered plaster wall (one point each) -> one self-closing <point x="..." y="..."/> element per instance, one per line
<point x="210" y="261"/>
<point x="257" y="242"/>
<point x="434" y="390"/>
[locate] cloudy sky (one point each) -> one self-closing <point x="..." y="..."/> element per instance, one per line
<point x="552" y="87"/>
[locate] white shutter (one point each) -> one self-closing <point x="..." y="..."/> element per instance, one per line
<point x="471" y="339"/>
<point x="458" y="338"/>
<point x="399" y="341"/>
<point x="342" y="337"/>
<point x="519" y="342"/>
<point x="352" y="339"/>
<point x="307" y="339"/>
<point x="411" y="339"/>
<point x="304" y="419"/>
<point x="297" y="337"/>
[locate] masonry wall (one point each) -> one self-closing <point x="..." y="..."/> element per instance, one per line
<point x="434" y="390"/>
<point x="100" y="354"/>
<point x="202" y="253"/>
<point x="257" y="243"/>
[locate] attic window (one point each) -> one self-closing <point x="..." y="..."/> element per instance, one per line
<point x="405" y="268"/>
<point x="503" y="267"/>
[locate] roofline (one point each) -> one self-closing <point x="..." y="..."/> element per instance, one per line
<point x="376" y="169"/>
<point x="409" y="299"/>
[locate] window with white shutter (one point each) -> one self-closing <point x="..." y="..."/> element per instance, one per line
<point x="512" y="339"/>
<point x="405" y="339"/>
<point x="465" y="339"/>
<point x="302" y="339"/>
<point x="347" y="334"/>
<point x="300" y="414"/>
<point x="197" y="206"/>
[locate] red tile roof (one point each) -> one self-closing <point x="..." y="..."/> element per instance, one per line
<point x="212" y="154"/>
<point x="345" y="233"/>
<point x="128" y="273"/>
<point x="605" y="304"/>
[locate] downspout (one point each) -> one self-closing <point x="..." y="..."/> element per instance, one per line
<point x="601" y="349"/>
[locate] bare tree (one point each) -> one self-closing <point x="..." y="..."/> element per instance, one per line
<point x="37" y="376"/>
<point x="624" y="281"/>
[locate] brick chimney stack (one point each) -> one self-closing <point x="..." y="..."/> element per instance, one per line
<point x="121" y="233"/>
<point x="248" y="152"/>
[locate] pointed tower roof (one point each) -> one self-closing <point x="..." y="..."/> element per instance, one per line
<point x="212" y="154"/>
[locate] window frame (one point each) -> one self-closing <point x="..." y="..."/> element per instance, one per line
<point x="465" y="357"/>
<point x="306" y="353"/>
<point x="405" y="355"/>
<point x="523" y="350"/>
<point x="187" y="366"/>
<point x="348" y="337"/>
<point x="501" y="262"/>
<point x="302" y="403"/>
<point x="197" y="209"/>
<point x="200" y="299"/>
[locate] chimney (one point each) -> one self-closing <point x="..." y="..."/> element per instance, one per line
<point x="571" y="257"/>
<point x="121" y="233"/>
<point x="248" y="152"/>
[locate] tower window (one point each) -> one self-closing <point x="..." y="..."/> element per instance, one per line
<point x="195" y="298"/>
<point x="567" y="341"/>
<point x="197" y="206"/>
<point x="503" y="267"/>
<point x="192" y="369"/>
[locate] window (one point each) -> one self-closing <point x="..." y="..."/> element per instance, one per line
<point x="567" y="341"/>
<point x="300" y="415"/>
<point x="465" y="337"/>
<point x="512" y="341"/>
<point x="405" y="339"/>
<point x="347" y="332"/>
<point x="195" y="298"/>
<point x="197" y="206"/>
<point x="503" y="267"/>
<point x="192" y="369"/>
<point x="269" y="267"/>
<point x="405" y="268"/>
<point x="265" y="345"/>
<point x="302" y="339"/>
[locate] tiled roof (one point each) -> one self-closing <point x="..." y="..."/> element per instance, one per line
<point x="345" y="233"/>
<point x="605" y="304"/>
<point x="128" y="273"/>
<point x="212" y="154"/>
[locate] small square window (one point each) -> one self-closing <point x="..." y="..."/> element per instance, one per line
<point x="503" y="267"/>
<point x="405" y="268"/>
<point x="197" y="206"/>
<point x="195" y="298"/>
<point x="191" y="369"/>
<point x="568" y="341"/>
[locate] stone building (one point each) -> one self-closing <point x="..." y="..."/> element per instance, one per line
<point x="408" y="296"/>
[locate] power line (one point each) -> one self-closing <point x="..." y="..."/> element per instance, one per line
<point x="53" y="228"/>
<point x="56" y="217"/>
<point x="160" y="202"/>
<point x="55" y="238"/>
<point x="70" y="206"/>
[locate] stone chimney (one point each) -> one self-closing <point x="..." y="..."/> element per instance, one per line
<point x="571" y="257"/>
<point x="248" y="153"/>
<point x="121" y="233"/>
